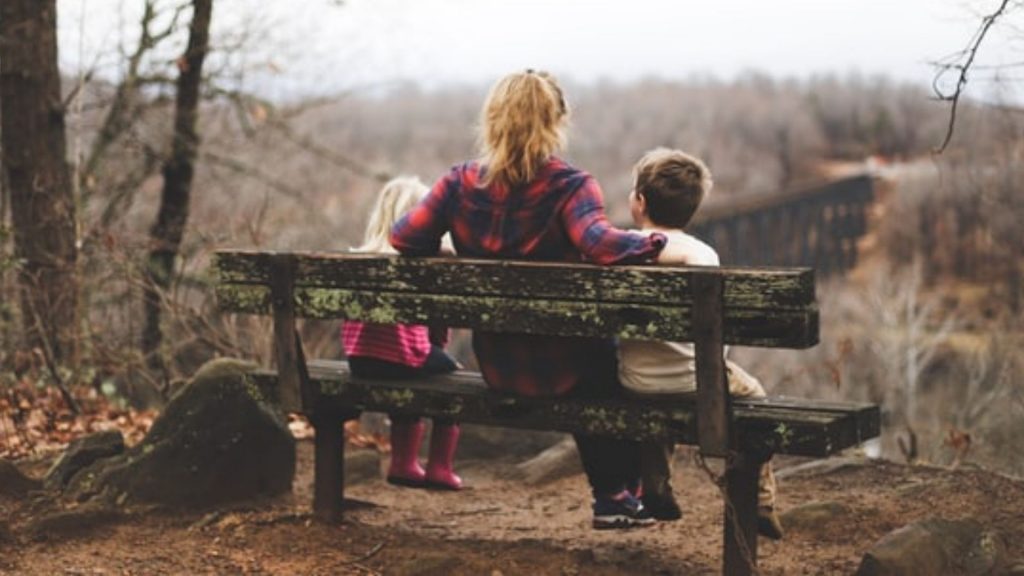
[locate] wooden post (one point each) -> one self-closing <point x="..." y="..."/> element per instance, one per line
<point x="286" y="343"/>
<point x="329" y="467"/>
<point x="714" y="416"/>
<point x="741" y="480"/>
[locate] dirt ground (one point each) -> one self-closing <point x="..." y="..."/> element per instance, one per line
<point x="499" y="526"/>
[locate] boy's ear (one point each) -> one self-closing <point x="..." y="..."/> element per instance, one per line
<point x="642" y="202"/>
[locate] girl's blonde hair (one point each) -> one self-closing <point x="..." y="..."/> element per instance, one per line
<point x="522" y="123"/>
<point x="396" y="198"/>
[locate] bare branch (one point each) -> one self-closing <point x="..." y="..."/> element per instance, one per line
<point x="967" y="57"/>
<point x="241" y="168"/>
<point x="124" y="111"/>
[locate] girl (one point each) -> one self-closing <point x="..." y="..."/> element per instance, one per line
<point x="521" y="201"/>
<point x="402" y="351"/>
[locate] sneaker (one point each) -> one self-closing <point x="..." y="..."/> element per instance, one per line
<point x="663" y="508"/>
<point x="620" y="511"/>
<point x="768" y="524"/>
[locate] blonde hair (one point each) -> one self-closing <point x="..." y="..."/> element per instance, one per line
<point x="522" y="123"/>
<point x="673" y="184"/>
<point x="396" y="198"/>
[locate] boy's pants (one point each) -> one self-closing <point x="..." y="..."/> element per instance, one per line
<point x="656" y="457"/>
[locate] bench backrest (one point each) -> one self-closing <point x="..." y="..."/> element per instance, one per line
<point x="768" y="307"/>
<point x="708" y="306"/>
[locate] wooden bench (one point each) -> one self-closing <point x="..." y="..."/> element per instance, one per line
<point x="712" y="307"/>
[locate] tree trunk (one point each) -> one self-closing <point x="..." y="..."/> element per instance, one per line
<point x="42" y="207"/>
<point x="167" y="231"/>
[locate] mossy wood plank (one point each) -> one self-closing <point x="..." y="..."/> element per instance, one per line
<point x="765" y="328"/>
<point x="791" y="429"/>
<point x="744" y="287"/>
<point x="868" y="416"/>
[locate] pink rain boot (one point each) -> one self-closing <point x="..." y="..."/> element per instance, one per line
<point x="443" y="441"/>
<point x="405" y="469"/>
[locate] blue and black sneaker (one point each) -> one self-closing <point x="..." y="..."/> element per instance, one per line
<point x="622" y="510"/>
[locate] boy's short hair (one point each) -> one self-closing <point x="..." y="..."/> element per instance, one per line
<point x="673" y="184"/>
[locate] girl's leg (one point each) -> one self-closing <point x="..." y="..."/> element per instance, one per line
<point x="444" y="439"/>
<point x="406" y="437"/>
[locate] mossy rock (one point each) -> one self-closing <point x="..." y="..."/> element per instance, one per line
<point x="81" y="453"/>
<point x="218" y="440"/>
<point x="936" y="546"/>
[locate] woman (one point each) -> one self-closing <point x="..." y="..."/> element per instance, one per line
<point x="520" y="201"/>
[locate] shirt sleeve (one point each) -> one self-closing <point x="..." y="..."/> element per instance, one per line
<point x="419" y="232"/>
<point x="589" y="230"/>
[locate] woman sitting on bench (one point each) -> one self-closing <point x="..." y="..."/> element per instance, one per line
<point x="520" y="201"/>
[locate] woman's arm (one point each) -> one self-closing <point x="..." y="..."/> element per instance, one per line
<point x="419" y="232"/>
<point x="589" y="230"/>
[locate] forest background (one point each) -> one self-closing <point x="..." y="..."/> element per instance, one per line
<point x="928" y="324"/>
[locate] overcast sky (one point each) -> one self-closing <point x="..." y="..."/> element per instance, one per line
<point x="319" y="46"/>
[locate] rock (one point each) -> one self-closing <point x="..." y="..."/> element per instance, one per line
<point x="361" y="466"/>
<point x="935" y="546"/>
<point x="81" y="453"/>
<point x="822" y="467"/>
<point x="812" y="516"/>
<point x="487" y="442"/>
<point x="218" y="440"/>
<point x="556" y="462"/>
<point x="13" y="483"/>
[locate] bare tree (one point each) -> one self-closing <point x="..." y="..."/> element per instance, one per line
<point x="42" y="207"/>
<point x="909" y="333"/>
<point x="167" y="232"/>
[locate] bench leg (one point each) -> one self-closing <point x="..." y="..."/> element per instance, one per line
<point x="329" y="467"/>
<point x="741" y="480"/>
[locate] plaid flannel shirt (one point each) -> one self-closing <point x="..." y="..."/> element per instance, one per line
<point x="559" y="216"/>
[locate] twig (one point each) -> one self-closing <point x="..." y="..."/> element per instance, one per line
<point x="51" y="365"/>
<point x="971" y="52"/>
<point x="487" y="510"/>
<point x="373" y="552"/>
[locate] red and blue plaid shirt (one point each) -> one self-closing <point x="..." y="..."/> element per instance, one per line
<point x="559" y="216"/>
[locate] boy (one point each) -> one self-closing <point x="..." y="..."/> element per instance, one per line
<point x="668" y="186"/>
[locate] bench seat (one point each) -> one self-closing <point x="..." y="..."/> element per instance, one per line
<point x="799" y="427"/>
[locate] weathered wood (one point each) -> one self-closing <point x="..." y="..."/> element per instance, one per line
<point x="329" y="466"/>
<point x="286" y="343"/>
<point x="662" y="285"/>
<point x="804" y="428"/>
<point x="867" y="416"/>
<point x="741" y="480"/>
<point x="713" y="411"/>
<point x="793" y="328"/>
